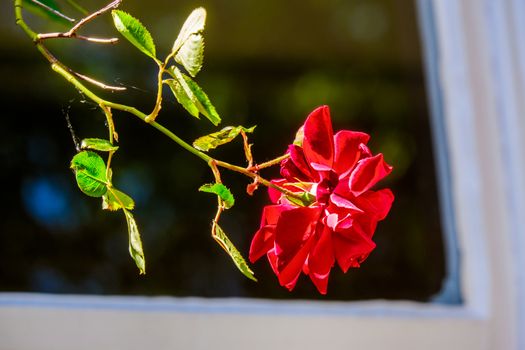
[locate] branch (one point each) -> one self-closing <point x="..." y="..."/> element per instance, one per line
<point x="98" y="83"/>
<point x="92" y="16"/>
<point x="53" y="11"/>
<point x="68" y="35"/>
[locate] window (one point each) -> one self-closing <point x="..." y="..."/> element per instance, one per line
<point x="475" y="84"/>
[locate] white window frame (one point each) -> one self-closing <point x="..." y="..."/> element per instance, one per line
<point x="475" y="51"/>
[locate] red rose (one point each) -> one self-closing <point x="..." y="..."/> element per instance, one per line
<point x="336" y="172"/>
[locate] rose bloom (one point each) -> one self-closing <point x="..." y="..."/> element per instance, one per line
<point x="338" y="216"/>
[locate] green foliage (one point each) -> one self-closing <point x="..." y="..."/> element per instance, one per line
<point x="134" y="31"/>
<point x="191" y="54"/>
<point x="95" y="180"/>
<point x="299" y="136"/>
<point x="221" y="237"/>
<point x="182" y="97"/>
<point x="216" y="139"/>
<point x="220" y="190"/>
<point x="98" y="145"/>
<point x="306" y="199"/>
<point x="193" y="25"/>
<point x="190" y="93"/>
<point x="135" y="243"/>
<point x="90" y="173"/>
<point x="114" y="199"/>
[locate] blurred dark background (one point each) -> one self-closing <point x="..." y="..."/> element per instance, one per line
<point x="267" y="63"/>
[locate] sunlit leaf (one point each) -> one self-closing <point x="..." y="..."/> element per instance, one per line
<point x="194" y="24"/>
<point x="97" y="145"/>
<point x="191" y="54"/>
<point x="114" y="199"/>
<point x="182" y="97"/>
<point x="134" y="31"/>
<point x="220" y="236"/>
<point x="90" y="173"/>
<point x="135" y="244"/>
<point x="54" y="14"/>
<point x="306" y="199"/>
<point x="196" y="95"/>
<point x="299" y="136"/>
<point x="216" y="139"/>
<point x="220" y="190"/>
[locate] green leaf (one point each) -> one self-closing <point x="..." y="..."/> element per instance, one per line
<point x="299" y="136"/>
<point x="90" y="172"/>
<point x="196" y="95"/>
<point x="134" y="31"/>
<point x="98" y="145"/>
<point x="220" y="236"/>
<point x="194" y="24"/>
<point x="135" y="244"/>
<point x="220" y="190"/>
<point x="216" y="139"/>
<point x="306" y="199"/>
<point x="54" y="14"/>
<point x="114" y="199"/>
<point x="191" y="54"/>
<point x="182" y="97"/>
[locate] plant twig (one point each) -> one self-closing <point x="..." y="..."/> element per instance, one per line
<point x="269" y="163"/>
<point x="98" y="83"/>
<point x="53" y="11"/>
<point x="72" y="33"/>
<point x="89" y="18"/>
<point x="67" y="35"/>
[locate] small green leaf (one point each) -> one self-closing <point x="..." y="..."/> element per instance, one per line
<point x="220" y="236"/>
<point x="306" y="199"/>
<point x="134" y="31"/>
<point x="216" y="139"/>
<point x="299" y="136"/>
<point x="191" y="54"/>
<point x="114" y="199"/>
<point x="196" y="95"/>
<point x="220" y="190"/>
<point x="98" y="145"/>
<point x="194" y="24"/>
<point x="135" y="244"/>
<point x="182" y="97"/>
<point x="90" y="173"/>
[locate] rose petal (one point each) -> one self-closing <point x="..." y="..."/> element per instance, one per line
<point x="293" y="228"/>
<point x="296" y="167"/>
<point x="318" y="142"/>
<point x="274" y="194"/>
<point x="271" y="214"/>
<point x="321" y="260"/>
<point x="289" y="273"/>
<point x="347" y="150"/>
<point x="342" y="202"/>
<point x="367" y="173"/>
<point x="351" y="248"/>
<point x="376" y="203"/>
<point x="262" y="242"/>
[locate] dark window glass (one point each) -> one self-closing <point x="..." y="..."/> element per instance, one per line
<point x="267" y="63"/>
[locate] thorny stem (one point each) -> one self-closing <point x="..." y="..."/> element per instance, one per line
<point x="106" y="106"/>
<point x="112" y="5"/>
<point x="113" y="136"/>
<point x="269" y="163"/>
<point x="72" y="33"/>
<point x="160" y="83"/>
